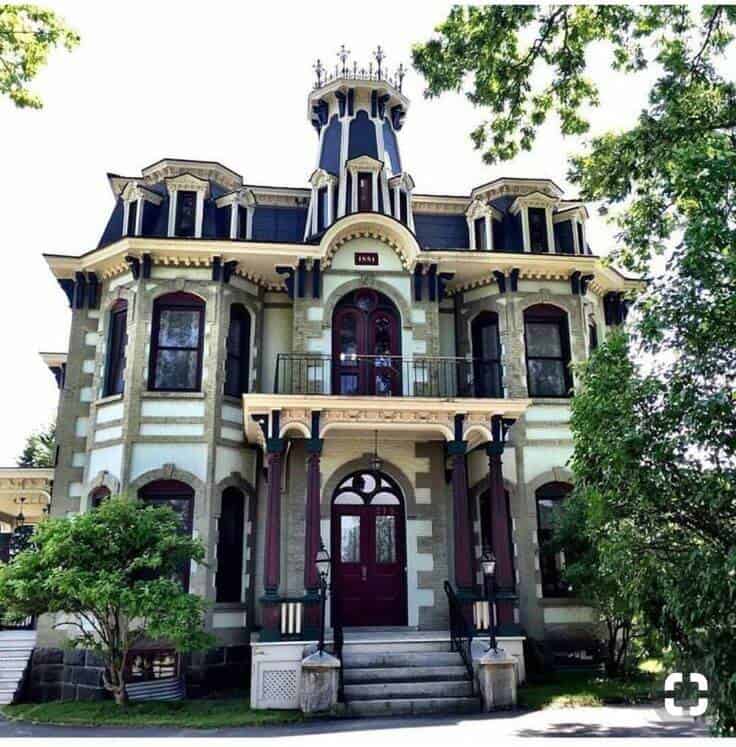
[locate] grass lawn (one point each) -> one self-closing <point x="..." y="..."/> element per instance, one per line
<point x="204" y="713"/>
<point x="576" y="689"/>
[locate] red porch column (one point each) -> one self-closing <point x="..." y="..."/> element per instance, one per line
<point x="312" y="515"/>
<point x="272" y="543"/>
<point x="461" y="519"/>
<point x="500" y="533"/>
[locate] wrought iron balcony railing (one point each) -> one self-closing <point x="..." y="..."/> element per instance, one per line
<point x="386" y="376"/>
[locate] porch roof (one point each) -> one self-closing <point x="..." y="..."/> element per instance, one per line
<point x="425" y="418"/>
<point x="31" y="483"/>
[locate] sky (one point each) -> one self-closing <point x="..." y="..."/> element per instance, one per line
<point x="224" y="81"/>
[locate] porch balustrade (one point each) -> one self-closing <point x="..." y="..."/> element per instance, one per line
<point x="386" y="375"/>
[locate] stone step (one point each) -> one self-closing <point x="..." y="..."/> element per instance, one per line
<point x="364" y="675"/>
<point x="413" y="690"/>
<point x="370" y="645"/>
<point x="379" y="658"/>
<point x="413" y="706"/>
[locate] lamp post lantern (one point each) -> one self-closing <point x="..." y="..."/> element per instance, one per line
<point x="488" y="566"/>
<point x="322" y="561"/>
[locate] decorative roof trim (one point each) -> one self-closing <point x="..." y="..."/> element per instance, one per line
<point x="363" y="163"/>
<point x="136" y="191"/>
<point x="321" y="178"/>
<point x="532" y="199"/>
<point x="187" y="181"/>
<point x="515" y="186"/>
<point x="242" y="196"/>
<point x="479" y="209"/>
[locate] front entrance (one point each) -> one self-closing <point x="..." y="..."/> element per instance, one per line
<point x="368" y="551"/>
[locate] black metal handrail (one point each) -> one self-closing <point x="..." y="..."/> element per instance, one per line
<point x="461" y="631"/>
<point x="386" y="375"/>
<point x="338" y="640"/>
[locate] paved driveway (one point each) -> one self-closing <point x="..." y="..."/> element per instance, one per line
<point x="613" y="721"/>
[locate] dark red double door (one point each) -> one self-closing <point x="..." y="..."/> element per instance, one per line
<point x="369" y="565"/>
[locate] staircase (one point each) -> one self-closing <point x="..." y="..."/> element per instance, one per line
<point x="392" y="675"/>
<point x="16" y="648"/>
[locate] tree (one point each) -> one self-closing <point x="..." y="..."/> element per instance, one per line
<point x="28" y="33"/>
<point x="654" y="452"/>
<point x="40" y="449"/>
<point x="115" y="572"/>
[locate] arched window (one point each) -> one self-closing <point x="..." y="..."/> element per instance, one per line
<point x="98" y="495"/>
<point x="592" y="337"/>
<point x="486" y="355"/>
<point x="117" y="339"/>
<point x="229" y="577"/>
<point x="238" y="351"/>
<point x="551" y="561"/>
<point x="180" y="498"/>
<point x="176" y="343"/>
<point x="547" y="351"/>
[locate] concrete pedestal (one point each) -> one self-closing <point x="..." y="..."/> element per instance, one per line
<point x="497" y="680"/>
<point x="319" y="683"/>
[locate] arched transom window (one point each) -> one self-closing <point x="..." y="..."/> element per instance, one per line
<point x="368" y="489"/>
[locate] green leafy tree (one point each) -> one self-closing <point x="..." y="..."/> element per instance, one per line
<point x="28" y="33"/>
<point x="40" y="449"/>
<point x="655" y="451"/>
<point x="114" y="573"/>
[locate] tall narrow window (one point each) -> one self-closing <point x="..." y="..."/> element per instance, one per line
<point x="116" y="341"/>
<point x="321" y="208"/>
<point x="479" y="227"/>
<point x="242" y="222"/>
<point x="547" y="351"/>
<point x="238" y="351"/>
<point x="229" y="577"/>
<point x="582" y="248"/>
<point x="176" y="345"/>
<point x="550" y="499"/>
<point x="403" y="207"/>
<point x="186" y="212"/>
<point x="592" y="337"/>
<point x="180" y="498"/>
<point x="486" y="355"/>
<point x="365" y="191"/>
<point x="132" y="217"/>
<point x="538" y="230"/>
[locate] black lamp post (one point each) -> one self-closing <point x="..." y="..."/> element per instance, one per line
<point x="322" y="561"/>
<point x="488" y="566"/>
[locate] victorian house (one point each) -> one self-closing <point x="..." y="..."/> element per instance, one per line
<point x="354" y="363"/>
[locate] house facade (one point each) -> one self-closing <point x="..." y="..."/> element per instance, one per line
<point x="353" y="363"/>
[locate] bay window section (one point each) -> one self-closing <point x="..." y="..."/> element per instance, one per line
<point x="238" y="352"/>
<point x="547" y="351"/>
<point x="177" y="342"/>
<point x="116" y="342"/>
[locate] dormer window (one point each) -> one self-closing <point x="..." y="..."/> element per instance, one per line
<point x="538" y="238"/>
<point x="569" y="224"/>
<point x="481" y="216"/>
<point x="322" y="206"/>
<point x="400" y="188"/>
<point x="536" y="220"/>
<point x="187" y="194"/>
<point x="132" y="219"/>
<point x="241" y="206"/>
<point x="364" y="172"/>
<point x="186" y="213"/>
<point x="134" y="197"/>
<point x="322" y="198"/>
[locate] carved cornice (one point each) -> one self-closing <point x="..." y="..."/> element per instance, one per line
<point x="243" y="196"/>
<point x="533" y="199"/>
<point x="364" y="163"/>
<point x="187" y="181"/>
<point x="479" y="209"/>
<point x="322" y="178"/>
<point x="135" y="191"/>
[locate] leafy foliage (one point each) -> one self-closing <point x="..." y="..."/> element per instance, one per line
<point x="28" y="33"/>
<point x="40" y="449"/>
<point x="654" y="452"/>
<point x="112" y="573"/>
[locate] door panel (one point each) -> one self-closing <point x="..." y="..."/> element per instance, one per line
<point x="368" y="547"/>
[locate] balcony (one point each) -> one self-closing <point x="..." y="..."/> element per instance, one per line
<point x="350" y="375"/>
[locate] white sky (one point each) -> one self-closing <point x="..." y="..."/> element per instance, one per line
<point x="224" y="81"/>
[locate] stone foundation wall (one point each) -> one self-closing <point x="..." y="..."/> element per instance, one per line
<point x="74" y="674"/>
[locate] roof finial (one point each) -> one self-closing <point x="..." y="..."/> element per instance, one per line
<point x="379" y="55"/>
<point x="318" y="70"/>
<point x="400" y="73"/>
<point x="343" y="55"/>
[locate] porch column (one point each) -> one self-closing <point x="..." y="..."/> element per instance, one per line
<point x="312" y="536"/>
<point x="500" y="527"/>
<point x="461" y="518"/>
<point x="272" y="544"/>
